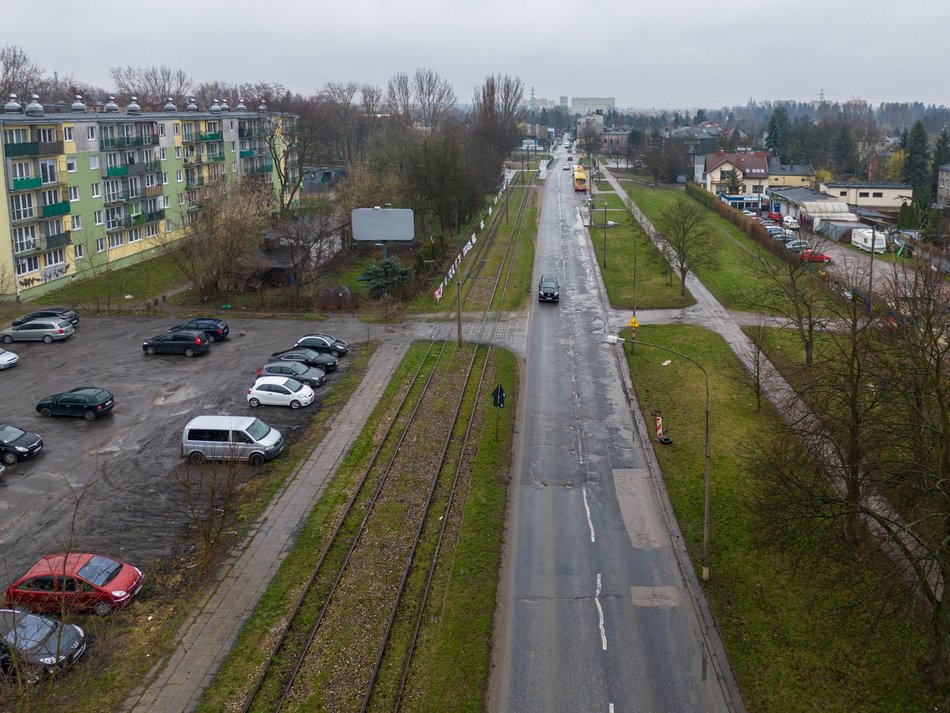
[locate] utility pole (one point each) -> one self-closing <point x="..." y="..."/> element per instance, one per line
<point x="458" y="304"/>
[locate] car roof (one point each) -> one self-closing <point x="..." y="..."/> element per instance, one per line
<point x="68" y="563"/>
<point x="284" y="363"/>
<point x="186" y="332"/>
<point x="281" y="380"/>
<point x="91" y="390"/>
<point x="228" y="422"/>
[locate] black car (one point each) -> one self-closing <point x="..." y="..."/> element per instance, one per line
<point x="215" y="329"/>
<point x="548" y="289"/>
<point x="59" y="313"/>
<point x="188" y="342"/>
<point x="32" y="645"/>
<point x="90" y="402"/>
<point x="323" y="343"/>
<point x="17" y="444"/>
<point x="308" y="375"/>
<point x="309" y="357"/>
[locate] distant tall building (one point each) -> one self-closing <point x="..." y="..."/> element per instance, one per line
<point x="589" y="105"/>
<point x="564" y="102"/>
<point x="540" y="103"/>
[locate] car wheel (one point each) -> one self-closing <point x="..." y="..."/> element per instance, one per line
<point x="48" y="338"/>
<point x="89" y="415"/>
<point x="255" y="402"/>
<point x="197" y="458"/>
<point x="295" y="404"/>
<point x="101" y="609"/>
<point x="189" y="352"/>
<point x="256" y="458"/>
<point x="45" y="412"/>
<point x="7" y="339"/>
<point x="151" y="351"/>
<point x="8" y="457"/>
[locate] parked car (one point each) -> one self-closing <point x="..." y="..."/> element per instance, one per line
<point x="279" y="391"/>
<point x="549" y="290"/>
<point x="789" y="222"/>
<point x="309" y="357"/>
<point x="17" y="444"/>
<point x="32" y="646"/>
<point x="777" y="233"/>
<point x="567" y="167"/>
<point x="812" y="255"/>
<point x="57" y="313"/>
<point x="749" y="213"/>
<point x="215" y="329"/>
<point x="188" y="342"/>
<point x="323" y="343"/>
<point x="230" y="438"/>
<point x="77" y="583"/>
<point x="295" y="370"/>
<point x="775" y="215"/>
<point x="797" y="245"/>
<point x="89" y="402"/>
<point x="39" y="330"/>
<point x="8" y="359"/>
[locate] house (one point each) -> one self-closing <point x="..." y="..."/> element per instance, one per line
<point x="882" y="196"/>
<point x="789" y="174"/>
<point x="739" y="178"/>
<point x="943" y="186"/>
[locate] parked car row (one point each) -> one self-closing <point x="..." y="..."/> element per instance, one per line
<point x="190" y="339"/>
<point x="291" y="375"/>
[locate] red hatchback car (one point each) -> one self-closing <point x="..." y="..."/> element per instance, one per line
<point x="75" y="583"/>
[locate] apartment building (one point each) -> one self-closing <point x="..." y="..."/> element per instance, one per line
<point x="86" y="191"/>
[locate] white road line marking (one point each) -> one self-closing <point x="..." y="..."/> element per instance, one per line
<point x="610" y="708"/>
<point x="600" y="614"/>
<point x="590" y="523"/>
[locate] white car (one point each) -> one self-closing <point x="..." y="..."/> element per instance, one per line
<point x="279" y="391"/>
<point x="7" y="359"/>
<point x="789" y="222"/>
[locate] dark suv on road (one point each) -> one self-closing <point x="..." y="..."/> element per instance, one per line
<point x="58" y="313"/>
<point x="548" y="289"/>
<point x="215" y="329"/>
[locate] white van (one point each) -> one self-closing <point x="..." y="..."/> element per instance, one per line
<point x="230" y="438"/>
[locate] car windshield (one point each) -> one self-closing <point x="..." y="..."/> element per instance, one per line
<point x="548" y="283"/>
<point x="64" y="324"/>
<point x="258" y="430"/>
<point x="25" y="631"/>
<point x="10" y="433"/>
<point x="297" y="367"/>
<point x="100" y="570"/>
<point x="293" y="385"/>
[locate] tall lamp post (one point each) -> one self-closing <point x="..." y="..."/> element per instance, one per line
<point x="613" y="339"/>
<point x="605" y="235"/>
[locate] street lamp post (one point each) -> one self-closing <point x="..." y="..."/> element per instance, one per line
<point x="458" y="304"/>
<point x="605" y="235"/>
<point x="613" y="339"/>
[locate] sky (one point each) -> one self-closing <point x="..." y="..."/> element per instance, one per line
<point x="678" y="54"/>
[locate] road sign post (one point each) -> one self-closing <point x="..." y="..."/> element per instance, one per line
<point x="498" y="401"/>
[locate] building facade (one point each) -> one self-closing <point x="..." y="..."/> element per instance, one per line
<point x="589" y="105"/>
<point x="943" y="185"/>
<point x="883" y="196"/>
<point x="89" y="191"/>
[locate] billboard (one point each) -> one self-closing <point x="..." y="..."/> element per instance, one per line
<point x="383" y="224"/>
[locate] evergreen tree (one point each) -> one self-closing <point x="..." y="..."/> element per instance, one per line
<point x="844" y="150"/>
<point x="917" y="165"/>
<point x="777" y="133"/>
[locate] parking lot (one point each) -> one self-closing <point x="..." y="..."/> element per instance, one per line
<point x="115" y="475"/>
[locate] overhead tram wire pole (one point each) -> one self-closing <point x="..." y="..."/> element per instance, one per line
<point x="605" y="235"/>
<point x="613" y="339"/>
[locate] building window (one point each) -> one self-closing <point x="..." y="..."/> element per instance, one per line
<point x="233" y="149"/>
<point x="877" y="194"/>
<point x="161" y="152"/>
<point x="863" y="194"/>
<point x="21" y="206"/>
<point x="70" y="164"/>
<point x="164" y="179"/>
<point x="48" y="171"/>
<point x="93" y="162"/>
<point x="100" y="245"/>
<point x="178" y="152"/>
<point x="77" y="222"/>
<point x="96" y="190"/>
<point x="165" y="202"/>
<point x="97" y="217"/>
<point x="80" y="251"/>
<point x="842" y="193"/>
<point x="181" y="199"/>
<point x="67" y="133"/>
<point x="114" y="219"/>
<point x="54" y="257"/>
<point x="27" y="264"/>
<point x="22" y="170"/>
<point x="46" y="136"/>
<point x="178" y="177"/>
<point x="24" y="239"/>
<point x="177" y="129"/>
<point x="135" y="235"/>
<point x="73" y="194"/>
<point x="50" y="197"/>
<point x="91" y="133"/>
<point x="115" y="241"/>
<point x="151" y="230"/>
<point x="161" y="129"/>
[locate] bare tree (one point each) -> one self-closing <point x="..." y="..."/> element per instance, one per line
<point x="311" y="238"/>
<point x="227" y="228"/>
<point x="750" y="371"/>
<point x="18" y="73"/>
<point x="435" y="96"/>
<point x="399" y="98"/>
<point x="684" y="229"/>
<point x="289" y="149"/>
<point x="151" y="85"/>
<point x="342" y="113"/>
<point x="206" y="494"/>
<point x="498" y="109"/>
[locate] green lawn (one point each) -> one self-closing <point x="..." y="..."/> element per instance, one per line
<point x="732" y="280"/>
<point x="798" y="638"/>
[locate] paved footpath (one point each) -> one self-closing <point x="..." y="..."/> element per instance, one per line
<point x="206" y="637"/>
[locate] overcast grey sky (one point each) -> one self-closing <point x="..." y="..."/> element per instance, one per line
<point x="667" y="53"/>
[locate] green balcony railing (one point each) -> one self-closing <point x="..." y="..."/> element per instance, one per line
<point x="210" y="136"/>
<point x="114" y="171"/>
<point x="51" y="211"/>
<point x="27" y="148"/>
<point x="58" y="241"/>
<point x="247" y="153"/>
<point x="155" y="215"/>
<point x="26" y="184"/>
<point x="219" y="157"/>
<point x="121" y="142"/>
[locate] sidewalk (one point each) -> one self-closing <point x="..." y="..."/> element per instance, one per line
<point x="206" y="637"/>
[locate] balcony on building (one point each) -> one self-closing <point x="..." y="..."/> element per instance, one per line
<point x="118" y="224"/>
<point x="53" y="242"/>
<point x="122" y="142"/>
<point x="153" y="191"/>
<point x="26" y="184"/>
<point x="194" y="182"/>
<point x="247" y="153"/>
<point x="117" y="197"/>
<point x="154" y="215"/>
<point x="33" y="148"/>
<point x="51" y="211"/>
<point x="115" y="171"/>
<point x="210" y="136"/>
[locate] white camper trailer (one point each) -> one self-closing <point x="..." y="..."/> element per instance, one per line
<point x="869" y="239"/>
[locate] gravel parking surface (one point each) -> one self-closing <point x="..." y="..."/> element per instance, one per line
<point x="115" y="475"/>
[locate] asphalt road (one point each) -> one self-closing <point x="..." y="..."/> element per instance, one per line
<point x="108" y="486"/>
<point x="595" y="615"/>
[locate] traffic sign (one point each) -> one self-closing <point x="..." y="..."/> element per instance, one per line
<point x="633" y="322"/>
<point x="498" y="397"/>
